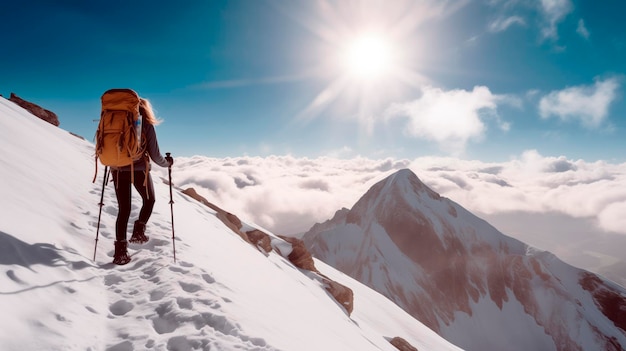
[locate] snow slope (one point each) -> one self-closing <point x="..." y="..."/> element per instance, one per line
<point x="456" y="273"/>
<point x="221" y="294"/>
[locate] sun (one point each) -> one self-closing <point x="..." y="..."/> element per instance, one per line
<point x="363" y="56"/>
<point x="368" y="57"/>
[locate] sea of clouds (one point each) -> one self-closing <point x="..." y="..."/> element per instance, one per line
<point x="288" y="195"/>
<point x="572" y="208"/>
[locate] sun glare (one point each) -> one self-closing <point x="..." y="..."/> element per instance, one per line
<point x="368" y="54"/>
<point x="368" y="57"/>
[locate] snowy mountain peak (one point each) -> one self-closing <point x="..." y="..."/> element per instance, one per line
<point x="462" y="277"/>
<point x="402" y="184"/>
<point x="402" y="191"/>
<point x="407" y="179"/>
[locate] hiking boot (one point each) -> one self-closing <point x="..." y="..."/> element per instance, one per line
<point x="139" y="236"/>
<point x="121" y="256"/>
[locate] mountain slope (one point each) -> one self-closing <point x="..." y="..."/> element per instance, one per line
<point x="222" y="294"/>
<point x="473" y="285"/>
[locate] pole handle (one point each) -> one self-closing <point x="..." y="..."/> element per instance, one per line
<point x="169" y="155"/>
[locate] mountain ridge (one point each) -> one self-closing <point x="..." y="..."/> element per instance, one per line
<point x="453" y="271"/>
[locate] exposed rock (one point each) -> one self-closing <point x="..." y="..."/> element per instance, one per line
<point x="36" y="110"/>
<point x="260" y="239"/>
<point x="610" y="302"/>
<point x="402" y="344"/>
<point x="342" y="294"/>
<point x="232" y="222"/>
<point x="299" y="255"/>
<point x="191" y="192"/>
<point x="78" y="136"/>
<point x="302" y="258"/>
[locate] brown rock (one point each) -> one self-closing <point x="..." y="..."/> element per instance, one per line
<point x="36" y="110"/>
<point x="608" y="299"/>
<point x="300" y="256"/>
<point x="78" y="136"/>
<point x="402" y="344"/>
<point x="342" y="294"/>
<point x="191" y="192"/>
<point x="234" y="220"/>
<point x="260" y="239"/>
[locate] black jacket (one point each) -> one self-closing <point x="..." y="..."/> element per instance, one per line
<point x="152" y="150"/>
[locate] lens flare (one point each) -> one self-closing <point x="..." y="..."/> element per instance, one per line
<point x="368" y="57"/>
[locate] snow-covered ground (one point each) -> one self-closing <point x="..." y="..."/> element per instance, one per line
<point x="221" y="294"/>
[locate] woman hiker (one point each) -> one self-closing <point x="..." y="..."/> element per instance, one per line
<point x="139" y="176"/>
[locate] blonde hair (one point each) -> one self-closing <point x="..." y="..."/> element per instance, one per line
<point x="145" y="108"/>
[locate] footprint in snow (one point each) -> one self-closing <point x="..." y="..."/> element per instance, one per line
<point x="162" y="226"/>
<point x="180" y="343"/>
<point x="207" y="278"/>
<point x="178" y="270"/>
<point x="156" y="295"/>
<point x="95" y="224"/>
<point x="153" y="243"/>
<point x="112" y="210"/>
<point x="112" y="279"/>
<point x="167" y="320"/>
<point x="186" y="264"/>
<point x="190" y="287"/>
<point x="121" y="307"/>
<point x="123" y="346"/>
<point x="184" y="303"/>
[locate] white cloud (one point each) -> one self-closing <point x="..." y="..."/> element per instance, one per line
<point x="582" y="29"/>
<point x="554" y="11"/>
<point x="587" y="104"/>
<point x="450" y="118"/>
<point x="556" y="8"/>
<point x="288" y="195"/>
<point x="282" y="193"/>
<point x="534" y="183"/>
<point x="551" y="13"/>
<point x="501" y="24"/>
<point x="612" y="217"/>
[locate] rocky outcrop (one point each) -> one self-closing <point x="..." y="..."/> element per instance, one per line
<point x="36" y="110"/>
<point x="260" y="239"/>
<point x="402" y="344"/>
<point x="299" y="256"/>
<point x="342" y="294"/>
<point x="610" y="301"/>
<point x="302" y="258"/>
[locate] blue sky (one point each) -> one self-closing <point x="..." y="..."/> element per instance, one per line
<point x="482" y="79"/>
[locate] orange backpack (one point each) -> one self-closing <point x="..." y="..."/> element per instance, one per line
<point x="118" y="138"/>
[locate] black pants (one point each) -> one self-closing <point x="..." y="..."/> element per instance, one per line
<point x="123" y="181"/>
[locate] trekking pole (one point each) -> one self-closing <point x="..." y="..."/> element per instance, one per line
<point x="104" y="182"/>
<point x="169" y="171"/>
